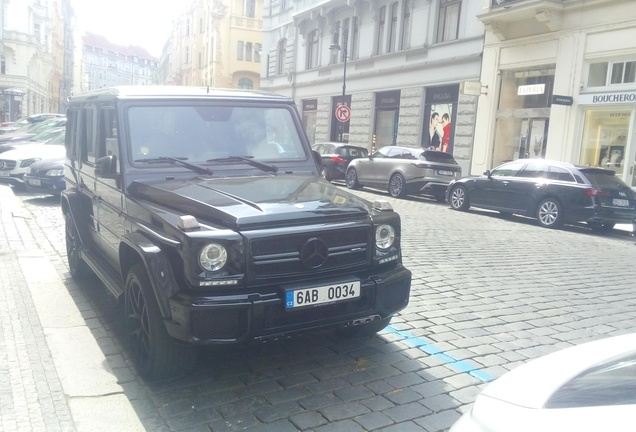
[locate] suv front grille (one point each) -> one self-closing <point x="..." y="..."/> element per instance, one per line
<point x="306" y="252"/>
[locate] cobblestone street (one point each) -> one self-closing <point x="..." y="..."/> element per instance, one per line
<point x="488" y="294"/>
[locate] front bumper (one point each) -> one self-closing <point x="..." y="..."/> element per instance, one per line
<point x="14" y="179"/>
<point x="49" y="185"/>
<point x="258" y="316"/>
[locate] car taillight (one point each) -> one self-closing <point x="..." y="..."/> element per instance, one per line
<point x="338" y="159"/>
<point x="596" y="192"/>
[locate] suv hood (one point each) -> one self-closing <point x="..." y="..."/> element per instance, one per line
<point x="242" y="202"/>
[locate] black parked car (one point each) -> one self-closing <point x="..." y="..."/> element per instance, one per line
<point x="552" y="192"/>
<point x="336" y="158"/>
<point x="46" y="176"/>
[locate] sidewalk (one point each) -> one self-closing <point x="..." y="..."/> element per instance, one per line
<point x="53" y="375"/>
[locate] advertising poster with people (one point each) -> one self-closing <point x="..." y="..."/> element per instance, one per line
<point x="440" y="113"/>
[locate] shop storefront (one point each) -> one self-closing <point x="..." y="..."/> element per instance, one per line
<point x="387" y="112"/>
<point x="440" y="114"/>
<point x="310" y="110"/>
<point x="608" y="132"/>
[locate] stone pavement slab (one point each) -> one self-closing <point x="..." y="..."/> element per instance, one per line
<point x="53" y="375"/>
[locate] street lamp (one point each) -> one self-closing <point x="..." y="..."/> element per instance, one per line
<point x="335" y="48"/>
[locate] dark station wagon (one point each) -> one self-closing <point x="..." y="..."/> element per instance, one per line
<point x="204" y="211"/>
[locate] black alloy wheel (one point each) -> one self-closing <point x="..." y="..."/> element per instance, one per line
<point x="351" y="178"/>
<point x="550" y="213"/>
<point x="77" y="267"/>
<point x="156" y="354"/>
<point x="325" y="174"/>
<point x="397" y="186"/>
<point x="459" y="198"/>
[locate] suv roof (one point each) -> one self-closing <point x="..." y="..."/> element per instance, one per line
<point x="149" y="92"/>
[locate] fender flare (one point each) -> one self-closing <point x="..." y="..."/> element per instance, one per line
<point x="136" y="247"/>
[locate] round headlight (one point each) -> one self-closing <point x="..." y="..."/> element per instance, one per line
<point x="213" y="257"/>
<point x="384" y="236"/>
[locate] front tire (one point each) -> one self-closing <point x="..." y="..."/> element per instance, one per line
<point x="351" y="179"/>
<point x="76" y="265"/>
<point x="397" y="186"/>
<point x="550" y="213"/>
<point x="459" y="198"/>
<point x="156" y="354"/>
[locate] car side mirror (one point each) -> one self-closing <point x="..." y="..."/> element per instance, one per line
<point x="487" y="173"/>
<point x="106" y="167"/>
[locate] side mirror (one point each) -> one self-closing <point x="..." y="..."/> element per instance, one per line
<point x="487" y="173"/>
<point x="106" y="167"/>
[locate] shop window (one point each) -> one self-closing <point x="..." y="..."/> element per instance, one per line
<point x="611" y="73"/>
<point x="605" y="137"/>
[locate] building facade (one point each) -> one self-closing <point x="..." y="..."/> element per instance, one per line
<point x="33" y="68"/>
<point x="107" y="64"/>
<point x="215" y="44"/>
<point x="395" y="66"/>
<point x="561" y="78"/>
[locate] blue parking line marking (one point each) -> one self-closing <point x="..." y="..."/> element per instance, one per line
<point x="463" y="366"/>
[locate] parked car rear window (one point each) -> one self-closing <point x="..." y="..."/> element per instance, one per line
<point x="603" y="178"/>
<point x="354" y="152"/>
<point x="439" y="157"/>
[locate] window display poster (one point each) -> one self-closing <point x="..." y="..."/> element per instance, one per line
<point x="440" y="114"/>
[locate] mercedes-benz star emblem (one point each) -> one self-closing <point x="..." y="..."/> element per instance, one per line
<point x="1" y="165"/>
<point x="314" y="253"/>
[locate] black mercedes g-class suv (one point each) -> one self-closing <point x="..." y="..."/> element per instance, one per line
<point x="205" y="213"/>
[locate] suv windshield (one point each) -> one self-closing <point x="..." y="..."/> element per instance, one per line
<point x="211" y="133"/>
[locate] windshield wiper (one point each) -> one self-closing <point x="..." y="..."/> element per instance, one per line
<point x="180" y="160"/>
<point x="248" y="160"/>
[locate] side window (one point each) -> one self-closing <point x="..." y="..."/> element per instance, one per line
<point x="534" y="170"/>
<point x="561" y="174"/>
<point x="382" y="153"/>
<point x="89" y="134"/>
<point x="508" y="170"/>
<point x="71" y="140"/>
<point x="109" y="146"/>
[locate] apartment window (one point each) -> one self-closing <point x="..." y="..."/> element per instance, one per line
<point x="448" y="21"/>
<point x="354" y="32"/>
<point x="240" y="49"/>
<point x="381" y="24"/>
<point x="187" y="55"/>
<point x="201" y="25"/>
<point x="257" y="52"/>
<point x="200" y="61"/>
<point x="249" y="49"/>
<point x="284" y="5"/>
<point x="250" y="8"/>
<point x="611" y="73"/>
<point x="393" y="27"/>
<point x="281" y="55"/>
<point x="245" y="83"/>
<point x="406" y="26"/>
<point x="37" y="32"/>
<point x="312" y="50"/>
<point x="188" y="26"/>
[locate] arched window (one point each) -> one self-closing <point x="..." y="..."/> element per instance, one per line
<point x="245" y="83"/>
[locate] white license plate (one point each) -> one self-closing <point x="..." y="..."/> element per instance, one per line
<point x="34" y="182"/>
<point x="322" y="294"/>
<point x="620" y="202"/>
<point x="4" y="173"/>
<point x="444" y="172"/>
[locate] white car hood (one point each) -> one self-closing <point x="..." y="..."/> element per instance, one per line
<point x="42" y="151"/>
<point x="531" y="384"/>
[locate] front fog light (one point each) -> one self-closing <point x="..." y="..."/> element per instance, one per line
<point x="213" y="257"/>
<point x="384" y="236"/>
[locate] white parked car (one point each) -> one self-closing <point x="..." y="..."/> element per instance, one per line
<point x="590" y="387"/>
<point x="15" y="163"/>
